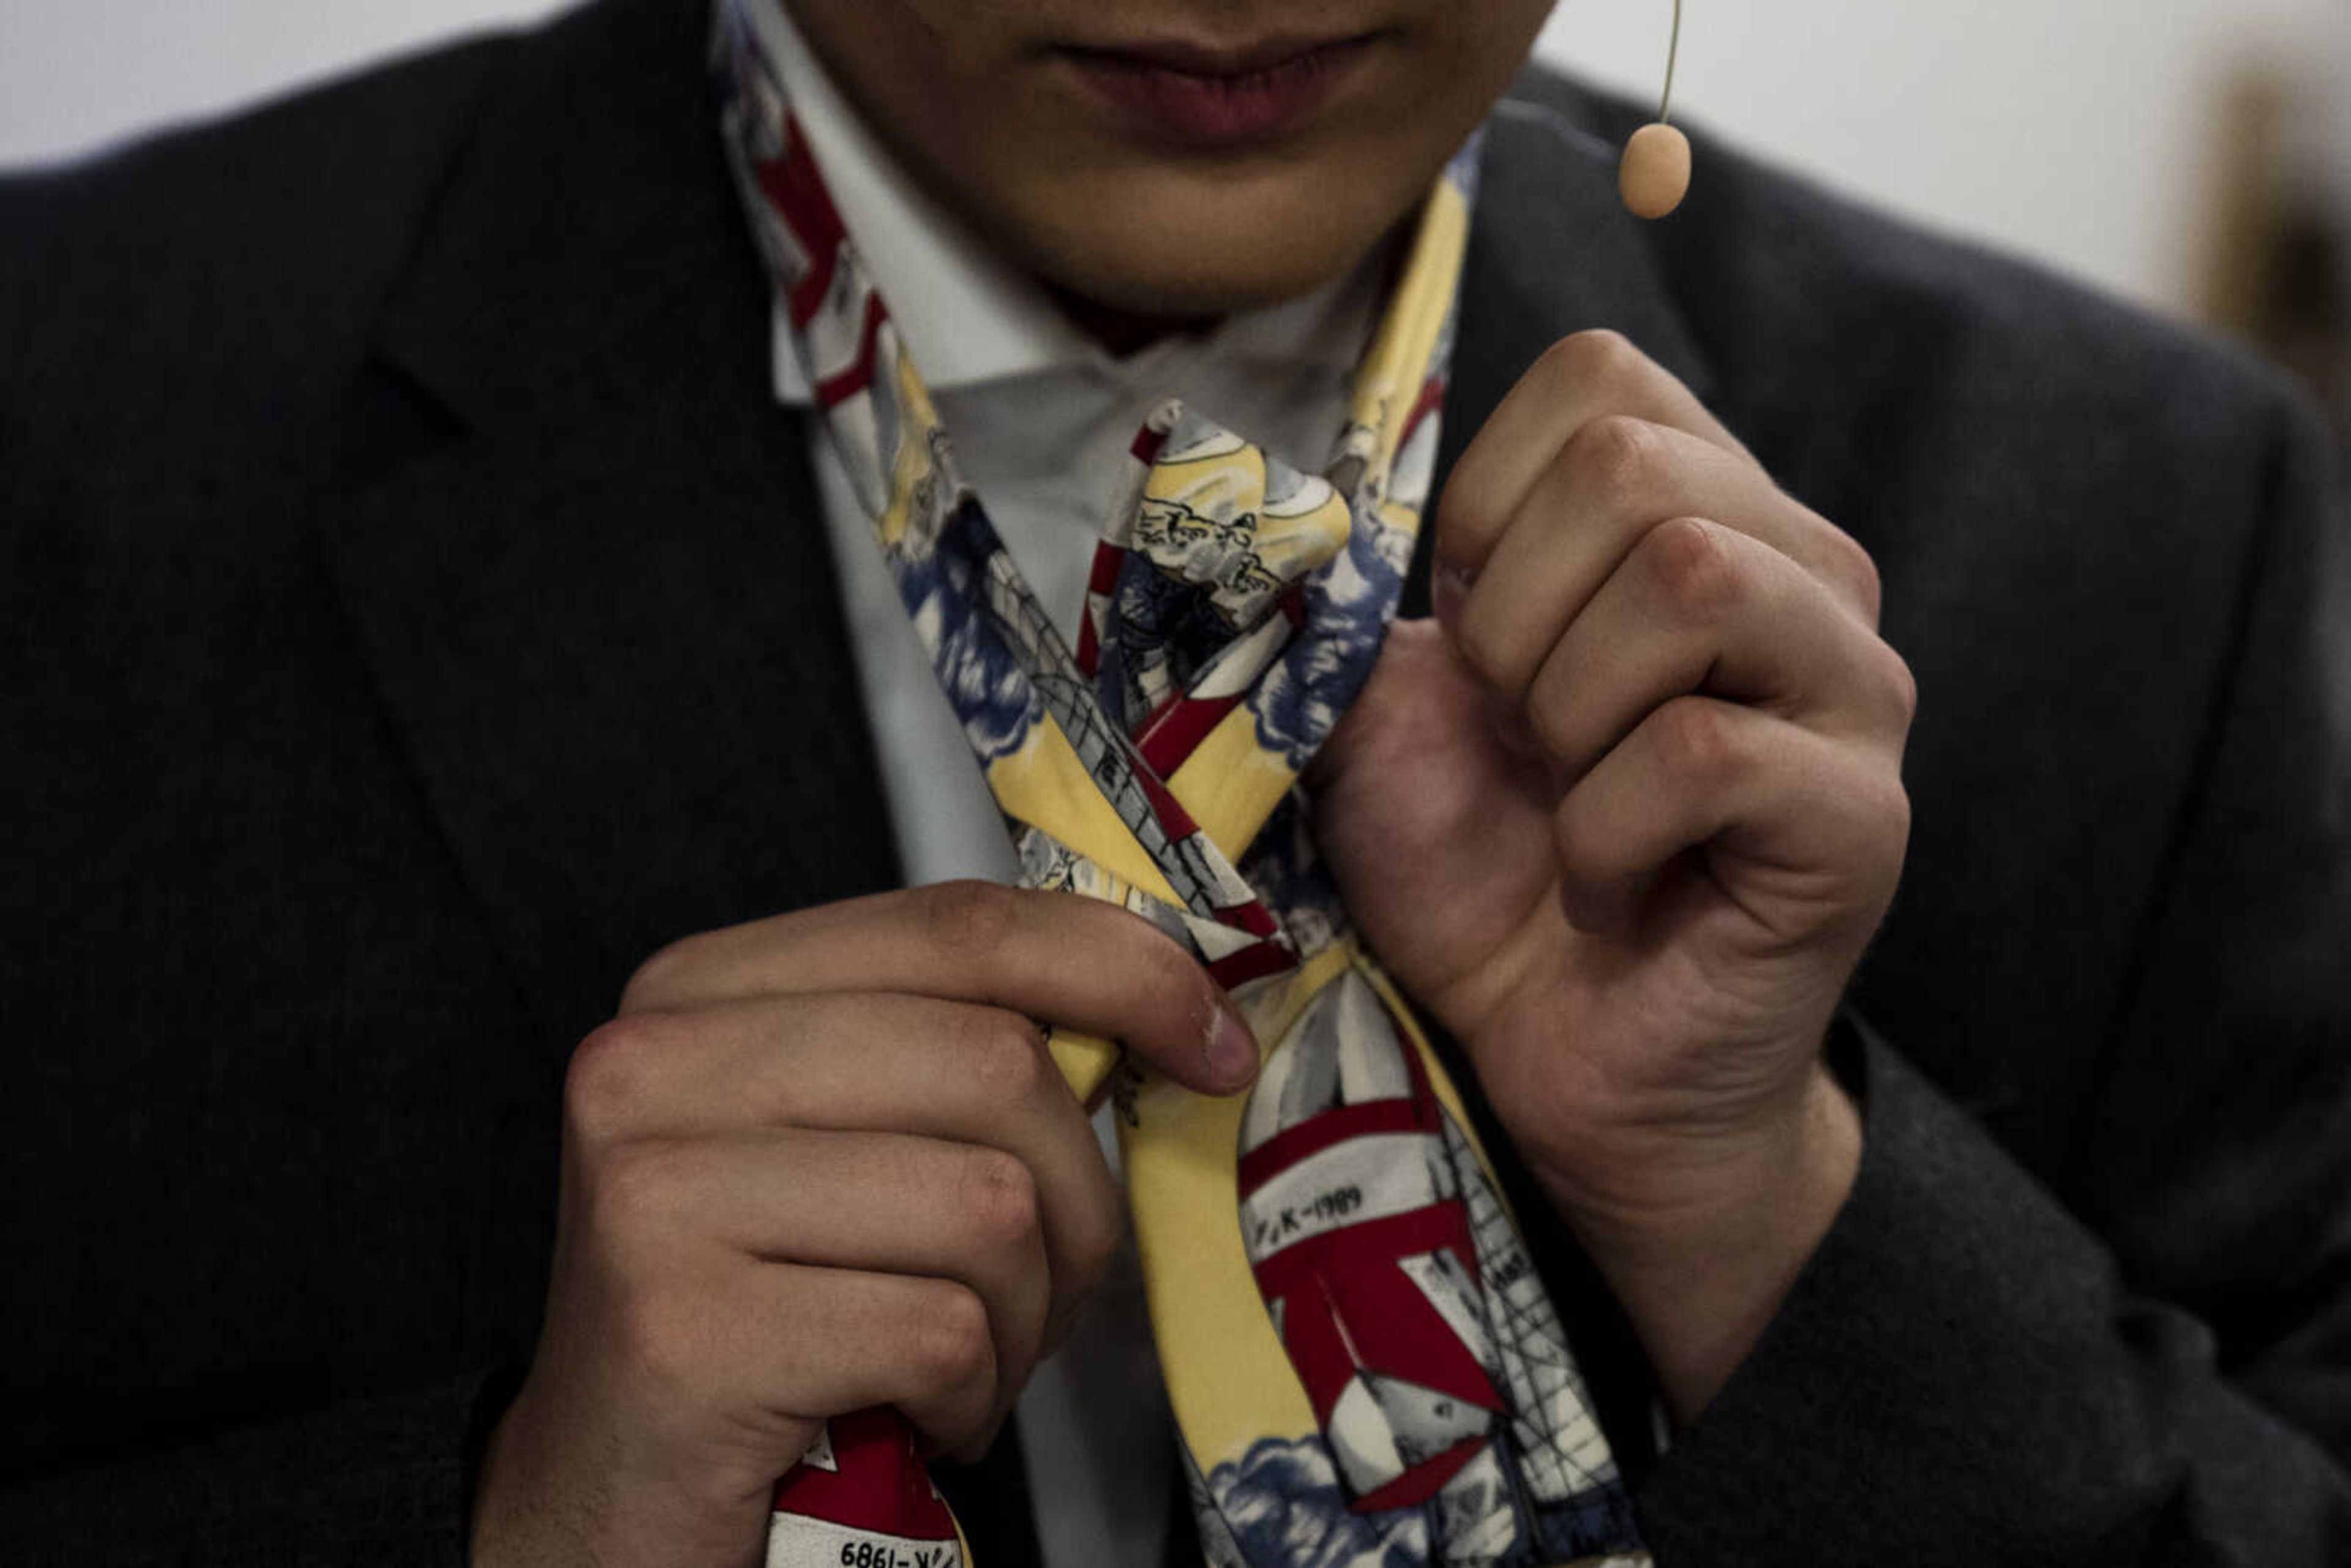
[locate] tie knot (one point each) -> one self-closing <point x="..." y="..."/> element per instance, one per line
<point x="1210" y="541"/>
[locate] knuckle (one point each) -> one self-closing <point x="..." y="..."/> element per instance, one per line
<point x="1897" y="823"/>
<point x="1596" y="356"/>
<point x="1615" y="455"/>
<point x="607" y="1075"/>
<point x="1881" y="837"/>
<point x="1851" y="569"/>
<point x="969" y="917"/>
<point x="949" y="1343"/>
<point x="1694" y="739"/>
<point x="1690" y="569"/>
<point x="1900" y="684"/>
<point x="996" y="1197"/>
<point x="1002" y="1052"/>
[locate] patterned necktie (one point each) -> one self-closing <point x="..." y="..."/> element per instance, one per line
<point x="1363" y="1362"/>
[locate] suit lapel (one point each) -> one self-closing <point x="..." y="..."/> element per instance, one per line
<point x="603" y="619"/>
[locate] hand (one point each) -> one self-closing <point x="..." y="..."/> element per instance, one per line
<point x="1624" y="819"/>
<point x="820" y="1162"/>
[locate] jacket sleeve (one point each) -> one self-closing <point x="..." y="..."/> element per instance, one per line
<point x="2147" y="1360"/>
<point x="384" y="1480"/>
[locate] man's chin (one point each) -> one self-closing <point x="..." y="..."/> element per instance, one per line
<point x="1178" y="299"/>
<point x="1180" y="273"/>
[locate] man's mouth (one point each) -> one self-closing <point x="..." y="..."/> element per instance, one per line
<point x="1206" y="93"/>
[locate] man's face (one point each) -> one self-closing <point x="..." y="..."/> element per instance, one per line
<point x="1176" y="157"/>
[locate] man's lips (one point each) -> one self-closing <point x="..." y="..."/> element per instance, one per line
<point x="1202" y="93"/>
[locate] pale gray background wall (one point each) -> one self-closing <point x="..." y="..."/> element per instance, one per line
<point x="2077" y="131"/>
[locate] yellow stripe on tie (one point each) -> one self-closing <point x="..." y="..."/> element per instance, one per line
<point x="1229" y="1379"/>
<point x="1045" y="785"/>
<point x="912" y="470"/>
<point x="1230" y="784"/>
<point x="1085" y="1061"/>
<point x="1389" y="384"/>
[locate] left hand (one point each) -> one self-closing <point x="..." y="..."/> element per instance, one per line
<point x="1624" y="819"/>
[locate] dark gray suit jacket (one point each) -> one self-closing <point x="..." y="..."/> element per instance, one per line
<point x="413" y="612"/>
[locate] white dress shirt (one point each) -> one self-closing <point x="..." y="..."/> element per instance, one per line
<point x="1041" y="416"/>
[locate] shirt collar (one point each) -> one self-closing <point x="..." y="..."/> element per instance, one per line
<point x="969" y="316"/>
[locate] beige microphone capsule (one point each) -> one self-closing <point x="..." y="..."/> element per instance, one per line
<point x="1655" y="174"/>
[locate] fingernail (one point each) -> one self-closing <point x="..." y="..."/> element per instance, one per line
<point x="1232" y="1048"/>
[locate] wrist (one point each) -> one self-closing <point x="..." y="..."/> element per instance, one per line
<point x="1701" y="1245"/>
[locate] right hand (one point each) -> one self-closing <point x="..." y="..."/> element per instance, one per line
<point x="820" y="1162"/>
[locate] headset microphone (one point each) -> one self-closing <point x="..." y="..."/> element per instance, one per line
<point x="1655" y="174"/>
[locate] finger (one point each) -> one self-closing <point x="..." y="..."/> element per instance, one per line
<point x="1700" y="608"/>
<point x="1799" y="831"/>
<point x="880" y="1202"/>
<point x="860" y="1063"/>
<point x="768" y="1348"/>
<point x="1075" y="962"/>
<point x="1617" y="480"/>
<point x="847" y="1341"/>
<point x="1578" y="380"/>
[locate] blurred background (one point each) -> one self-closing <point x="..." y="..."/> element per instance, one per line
<point x="2193" y="155"/>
